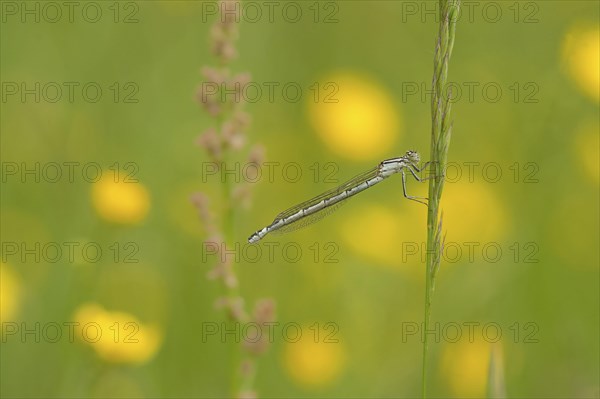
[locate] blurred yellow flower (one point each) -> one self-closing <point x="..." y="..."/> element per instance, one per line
<point x="362" y="124"/>
<point x="314" y="364"/>
<point x="581" y="53"/>
<point x="473" y="213"/>
<point x="10" y="292"/>
<point x="387" y="235"/>
<point x="587" y="149"/>
<point x="396" y="235"/>
<point x="465" y="367"/>
<point x="120" y="201"/>
<point x="116" y="337"/>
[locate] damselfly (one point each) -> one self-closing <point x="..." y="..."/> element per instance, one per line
<point x="317" y="208"/>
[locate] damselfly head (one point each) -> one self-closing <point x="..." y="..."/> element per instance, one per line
<point x="413" y="157"/>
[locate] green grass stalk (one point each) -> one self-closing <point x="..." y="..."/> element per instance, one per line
<point x="441" y="131"/>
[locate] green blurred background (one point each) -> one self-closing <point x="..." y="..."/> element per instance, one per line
<point x="547" y="213"/>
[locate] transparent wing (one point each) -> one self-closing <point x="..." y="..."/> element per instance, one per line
<point x="326" y="211"/>
<point x="356" y="180"/>
<point x="310" y="219"/>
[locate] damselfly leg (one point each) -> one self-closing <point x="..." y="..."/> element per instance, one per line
<point x="415" y="170"/>
<point x="410" y="197"/>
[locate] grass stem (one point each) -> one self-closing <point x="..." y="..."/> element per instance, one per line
<point x="441" y="131"/>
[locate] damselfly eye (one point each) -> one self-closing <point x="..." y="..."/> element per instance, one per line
<point x="413" y="156"/>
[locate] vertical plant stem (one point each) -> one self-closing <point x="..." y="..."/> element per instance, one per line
<point x="441" y="130"/>
<point x="231" y="291"/>
<point x="223" y="144"/>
